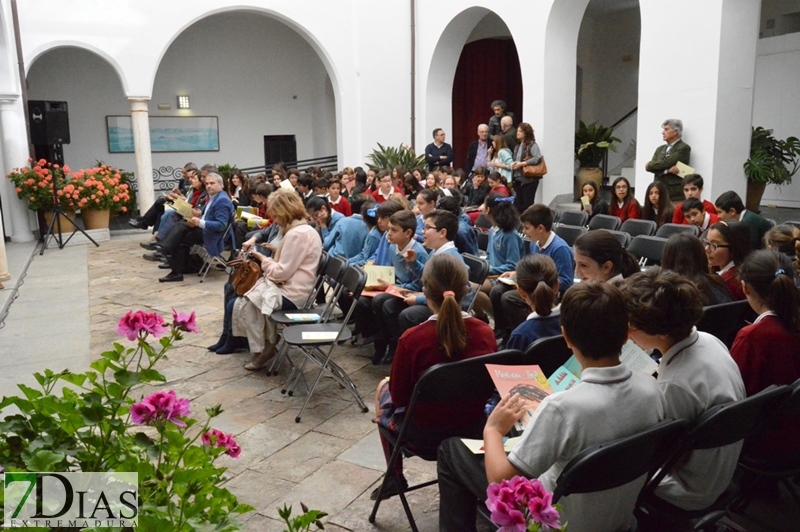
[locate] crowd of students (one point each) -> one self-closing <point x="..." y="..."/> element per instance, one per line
<point x="594" y="293"/>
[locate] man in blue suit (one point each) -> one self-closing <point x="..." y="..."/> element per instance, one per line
<point x="207" y="229"/>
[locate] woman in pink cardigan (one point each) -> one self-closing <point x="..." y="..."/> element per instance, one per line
<point x="293" y="271"/>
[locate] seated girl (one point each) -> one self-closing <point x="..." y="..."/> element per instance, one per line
<point x="505" y="245"/>
<point x="448" y="336"/>
<point x="597" y="205"/>
<point x="600" y="257"/>
<point x="537" y="283"/>
<point x="684" y="255"/>
<point x="426" y="202"/>
<point x="657" y="206"/>
<point x="727" y="244"/>
<point x="768" y="351"/>
<point x="498" y="184"/>
<point x="624" y="206"/>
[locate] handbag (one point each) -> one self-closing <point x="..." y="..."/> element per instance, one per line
<point x="535" y="171"/>
<point x="246" y="272"/>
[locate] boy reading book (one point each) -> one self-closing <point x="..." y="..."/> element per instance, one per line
<point x="610" y="402"/>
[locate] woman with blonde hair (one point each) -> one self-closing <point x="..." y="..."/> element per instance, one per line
<point x="287" y="281"/>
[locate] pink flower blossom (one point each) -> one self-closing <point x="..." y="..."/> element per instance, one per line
<point x="161" y="406"/>
<point x="217" y="438"/>
<point x="142" y="414"/>
<point x="184" y="322"/>
<point x="508" y="517"/>
<point x="518" y="502"/>
<point x="132" y="323"/>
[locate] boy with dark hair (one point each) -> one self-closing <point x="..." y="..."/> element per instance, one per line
<point x="510" y="310"/>
<point x="465" y="240"/>
<point x="692" y="188"/>
<point x="320" y="187"/>
<point x="341" y="236"/>
<point x="404" y="253"/>
<point x="338" y="202"/>
<point x="304" y="185"/>
<point x="730" y="207"/>
<point x="696" y="215"/>
<point x="695" y="373"/>
<point x="611" y="402"/>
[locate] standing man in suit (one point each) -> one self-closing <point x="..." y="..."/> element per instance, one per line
<point x="480" y="151"/>
<point x="664" y="161"/>
<point x="207" y="229"/>
<point x="509" y="132"/>
<point x="438" y="153"/>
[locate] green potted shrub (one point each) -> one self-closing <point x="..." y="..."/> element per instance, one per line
<point x="772" y="162"/>
<point x="591" y="144"/>
<point x="403" y="156"/>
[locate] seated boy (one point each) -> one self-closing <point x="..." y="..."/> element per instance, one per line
<point x="695" y="373"/>
<point x="730" y="207"/>
<point x="404" y="253"/>
<point x="692" y="188"/>
<point x="320" y="187"/>
<point x="695" y="215"/>
<point x="510" y="310"/>
<point x="341" y="236"/>
<point x="610" y="402"/>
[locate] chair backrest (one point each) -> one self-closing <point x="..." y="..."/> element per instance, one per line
<point x="569" y="233"/>
<point x="318" y="282"/>
<point x="478" y="271"/>
<point x="667" y="230"/>
<point x="482" y="237"/>
<point x="623" y="237"/>
<point x="648" y="249"/>
<point x="613" y="464"/>
<point x="574" y="218"/>
<point x="772" y="222"/>
<point x="548" y="353"/>
<point x="604" y="221"/>
<point x="636" y="227"/>
<point x="556" y="215"/>
<point x="726" y="424"/>
<point x="796" y="224"/>
<point x="725" y="320"/>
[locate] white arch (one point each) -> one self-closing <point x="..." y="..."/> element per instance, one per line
<point x="37" y="53"/>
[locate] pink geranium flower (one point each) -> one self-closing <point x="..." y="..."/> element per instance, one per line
<point x="517" y="503"/>
<point x="217" y="438"/>
<point x="133" y="323"/>
<point x="184" y="322"/>
<point x="161" y="406"/>
<point x="142" y="414"/>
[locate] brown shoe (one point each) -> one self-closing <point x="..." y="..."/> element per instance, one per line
<point x="261" y="359"/>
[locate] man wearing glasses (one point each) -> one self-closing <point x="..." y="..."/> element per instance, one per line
<point x="438" y="153"/>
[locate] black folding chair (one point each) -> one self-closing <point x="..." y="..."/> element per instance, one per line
<point x="556" y="215"/>
<point x="210" y="260"/>
<point x="623" y="237"/>
<point x="460" y="381"/>
<point x="781" y="468"/>
<point x="478" y="271"/>
<point x="604" y="221"/>
<point x="648" y="249"/>
<point x="725" y="320"/>
<point x="667" y="230"/>
<point x="482" y="237"/>
<point x="569" y="233"/>
<point x="636" y="227"/>
<point x="301" y="336"/>
<point x="719" y="426"/>
<point x="548" y="353"/>
<point x="579" y="218"/>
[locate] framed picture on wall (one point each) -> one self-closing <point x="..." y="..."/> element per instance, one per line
<point x="167" y="133"/>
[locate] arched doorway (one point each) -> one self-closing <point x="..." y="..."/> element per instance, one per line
<point x="487" y="70"/>
<point x="259" y="76"/>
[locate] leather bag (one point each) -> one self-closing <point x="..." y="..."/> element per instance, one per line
<point x="535" y="171"/>
<point x="245" y="273"/>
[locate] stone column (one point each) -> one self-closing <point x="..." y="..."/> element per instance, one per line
<point x="4" y="275"/>
<point x="15" y="154"/>
<point x="144" y="159"/>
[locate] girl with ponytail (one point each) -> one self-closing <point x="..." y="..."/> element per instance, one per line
<point x="537" y="283"/>
<point x="448" y="336"/>
<point x="768" y="351"/>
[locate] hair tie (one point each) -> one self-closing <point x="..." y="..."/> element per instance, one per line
<point x="777" y="273"/>
<point x="448" y="293"/>
<point x="504" y="200"/>
<point x="372" y="212"/>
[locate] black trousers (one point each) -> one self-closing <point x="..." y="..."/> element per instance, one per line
<point x="526" y="194"/>
<point x="510" y="310"/>
<point x="462" y="484"/>
<point x="179" y="258"/>
<point x="153" y="215"/>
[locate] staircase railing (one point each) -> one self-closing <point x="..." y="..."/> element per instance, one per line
<point x="625" y="129"/>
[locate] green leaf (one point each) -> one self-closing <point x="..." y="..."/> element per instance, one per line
<point x="150" y="375"/>
<point x="74" y="378"/>
<point x="44" y="460"/>
<point x="100" y="365"/>
<point x="127" y="378"/>
<point x="29" y="392"/>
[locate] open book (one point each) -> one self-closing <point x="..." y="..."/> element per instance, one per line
<point x="375" y="273"/>
<point x="183" y="207"/>
<point x="632" y="356"/>
<point x="527" y="381"/>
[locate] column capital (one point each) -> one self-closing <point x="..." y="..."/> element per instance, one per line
<point x="8" y="98"/>
<point x="139" y="104"/>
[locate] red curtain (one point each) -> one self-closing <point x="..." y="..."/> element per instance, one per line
<point x="488" y="70"/>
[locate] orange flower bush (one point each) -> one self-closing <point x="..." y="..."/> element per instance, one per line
<point x="35" y="184"/>
<point x="98" y="188"/>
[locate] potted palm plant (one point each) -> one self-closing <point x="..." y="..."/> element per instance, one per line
<point x="591" y="144"/>
<point x="772" y="162"/>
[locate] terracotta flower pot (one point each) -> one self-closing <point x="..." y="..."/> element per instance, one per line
<point x="95" y="219"/>
<point x="66" y="227"/>
<point x="587" y="174"/>
<point x="754" y="193"/>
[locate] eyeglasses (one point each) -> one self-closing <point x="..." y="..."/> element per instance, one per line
<point x="712" y="246"/>
<point x="621" y="187"/>
<point x="427" y="227"/>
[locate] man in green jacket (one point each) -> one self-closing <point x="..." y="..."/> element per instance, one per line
<point x="663" y="163"/>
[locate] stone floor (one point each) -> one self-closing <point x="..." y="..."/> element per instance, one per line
<point x="68" y="306"/>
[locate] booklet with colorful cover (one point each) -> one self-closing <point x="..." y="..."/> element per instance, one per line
<point x="562" y="379"/>
<point x="527" y="381"/>
<point x="632" y="356"/>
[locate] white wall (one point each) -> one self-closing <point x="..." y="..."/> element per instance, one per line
<point x="256" y="74"/>
<point x="775" y="105"/>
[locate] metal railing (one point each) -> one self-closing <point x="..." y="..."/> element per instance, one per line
<point x="329" y="162"/>
<point x="625" y="129"/>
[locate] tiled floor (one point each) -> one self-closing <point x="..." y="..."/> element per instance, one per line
<point x="69" y="304"/>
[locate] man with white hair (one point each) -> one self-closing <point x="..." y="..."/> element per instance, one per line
<point x="510" y="134"/>
<point x="479" y="152"/>
<point x="206" y="229"/>
<point x="664" y="161"/>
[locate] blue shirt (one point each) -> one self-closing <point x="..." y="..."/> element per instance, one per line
<point x="420" y="226"/>
<point x="407" y="275"/>
<point x="422" y="300"/>
<point x="466" y="241"/>
<point x="346" y="235"/>
<point x="504" y="251"/>
<point x="560" y="252"/>
<point x="534" y="328"/>
<point x="370" y="245"/>
<point x="381" y="255"/>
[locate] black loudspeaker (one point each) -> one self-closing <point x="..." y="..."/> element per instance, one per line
<point x="49" y="122"/>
